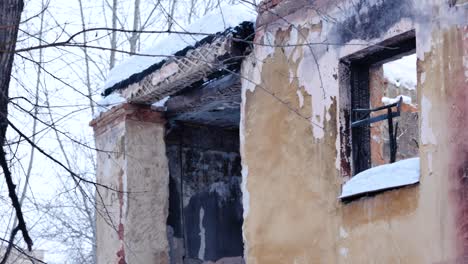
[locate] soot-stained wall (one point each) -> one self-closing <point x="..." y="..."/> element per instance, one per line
<point x="205" y="211"/>
<point x="295" y="94"/>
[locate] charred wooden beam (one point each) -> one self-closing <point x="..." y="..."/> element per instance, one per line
<point x="216" y="102"/>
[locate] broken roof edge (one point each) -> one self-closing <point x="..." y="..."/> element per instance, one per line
<point x="224" y="19"/>
<point x="136" y="77"/>
<point x="242" y="34"/>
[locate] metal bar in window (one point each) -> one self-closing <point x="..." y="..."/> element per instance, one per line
<point x="389" y="115"/>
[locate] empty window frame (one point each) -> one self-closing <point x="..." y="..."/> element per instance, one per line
<point x="364" y="86"/>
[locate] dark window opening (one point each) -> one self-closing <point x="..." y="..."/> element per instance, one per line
<point x="378" y="105"/>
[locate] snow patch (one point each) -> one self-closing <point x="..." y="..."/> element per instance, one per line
<point x="105" y="104"/>
<point x="388" y="101"/>
<point x="401" y="173"/>
<point x="402" y="72"/>
<point x="161" y="103"/>
<point x="214" y="22"/>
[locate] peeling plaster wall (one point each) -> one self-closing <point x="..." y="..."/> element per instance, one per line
<point x="131" y="216"/>
<point x="110" y="172"/>
<point x="445" y="132"/>
<point x="290" y="144"/>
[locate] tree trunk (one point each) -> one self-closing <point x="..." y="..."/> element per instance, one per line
<point x="114" y="35"/>
<point x="35" y="113"/>
<point x="136" y="26"/>
<point x="192" y="10"/>
<point x="171" y="18"/>
<point x="85" y="51"/>
<point x="10" y="16"/>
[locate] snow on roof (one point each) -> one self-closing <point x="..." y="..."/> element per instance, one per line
<point x="388" y="101"/>
<point x="105" y="104"/>
<point x="217" y="21"/>
<point x="401" y="173"/>
<point x="402" y="71"/>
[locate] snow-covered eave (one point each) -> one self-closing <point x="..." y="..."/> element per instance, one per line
<point x="179" y="73"/>
<point x="185" y="67"/>
<point x="106" y="104"/>
<point x="137" y="77"/>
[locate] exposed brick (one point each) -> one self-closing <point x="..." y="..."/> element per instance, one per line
<point x="117" y="114"/>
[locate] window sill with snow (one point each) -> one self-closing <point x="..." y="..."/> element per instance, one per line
<point x="377" y="179"/>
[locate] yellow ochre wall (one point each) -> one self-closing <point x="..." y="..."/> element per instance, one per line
<point x="290" y="142"/>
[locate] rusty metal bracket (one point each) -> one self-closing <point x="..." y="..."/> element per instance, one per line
<point x="362" y="118"/>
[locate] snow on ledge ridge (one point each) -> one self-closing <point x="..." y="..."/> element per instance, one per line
<point x="398" y="174"/>
<point x="161" y="104"/>
<point x="388" y="101"/>
<point x="108" y="102"/>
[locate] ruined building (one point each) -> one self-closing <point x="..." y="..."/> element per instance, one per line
<point x="287" y="135"/>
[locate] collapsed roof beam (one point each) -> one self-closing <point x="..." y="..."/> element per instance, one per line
<point x="215" y="103"/>
<point x="224" y="52"/>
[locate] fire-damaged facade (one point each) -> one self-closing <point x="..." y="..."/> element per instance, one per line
<point x="306" y="132"/>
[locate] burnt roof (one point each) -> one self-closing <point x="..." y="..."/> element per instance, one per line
<point x="242" y="34"/>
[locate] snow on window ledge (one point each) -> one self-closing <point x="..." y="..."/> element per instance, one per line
<point x="398" y="174"/>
